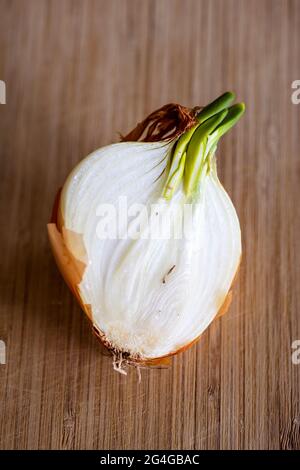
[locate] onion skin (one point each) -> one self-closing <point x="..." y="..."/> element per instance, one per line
<point x="72" y="271"/>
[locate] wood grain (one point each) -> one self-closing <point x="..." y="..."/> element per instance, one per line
<point x="76" y="73"/>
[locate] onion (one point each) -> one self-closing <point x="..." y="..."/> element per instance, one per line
<point x="147" y="238"/>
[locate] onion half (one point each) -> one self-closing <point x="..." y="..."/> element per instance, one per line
<point x="149" y="297"/>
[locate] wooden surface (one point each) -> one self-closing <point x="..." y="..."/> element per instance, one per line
<point x="76" y="73"/>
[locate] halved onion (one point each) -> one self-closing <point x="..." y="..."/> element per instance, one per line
<point x="150" y="296"/>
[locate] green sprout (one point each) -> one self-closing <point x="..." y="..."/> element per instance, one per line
<point x="198" y="144"/>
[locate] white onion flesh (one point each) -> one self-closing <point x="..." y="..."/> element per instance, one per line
<point x="123" y="281"/>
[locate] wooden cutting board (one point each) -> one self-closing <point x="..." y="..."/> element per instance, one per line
<point x="77" y="73"/>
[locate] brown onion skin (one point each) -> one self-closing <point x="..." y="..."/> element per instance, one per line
<point x="72" y="271"/>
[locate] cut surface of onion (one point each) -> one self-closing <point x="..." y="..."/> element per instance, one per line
<point x="152" y="293"/>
